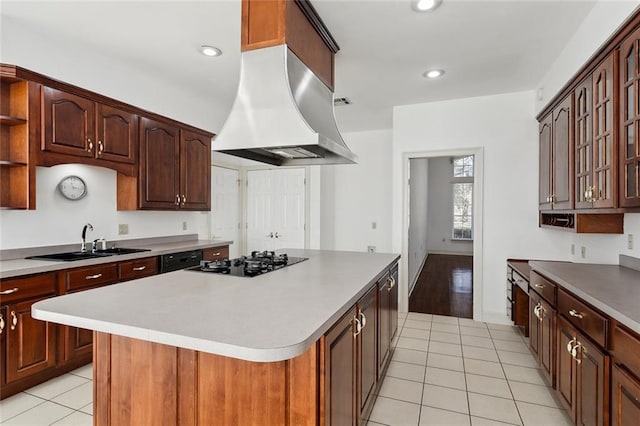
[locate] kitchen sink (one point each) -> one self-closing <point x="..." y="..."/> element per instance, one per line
<point x="121" y="250"/>
<point x="79" y="255"/>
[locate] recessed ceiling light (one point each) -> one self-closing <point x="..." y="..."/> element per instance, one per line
<point x="210" y="51"/>
<point x="433" y="73"/>
<point x="425" y="5"/>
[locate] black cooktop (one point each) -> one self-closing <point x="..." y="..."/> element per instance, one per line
<point x="260" y="262"/>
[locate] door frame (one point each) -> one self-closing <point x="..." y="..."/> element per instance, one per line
<point x="245" y="201"/>
<point x="478" y="197"/>
<point x="240" y="198"/>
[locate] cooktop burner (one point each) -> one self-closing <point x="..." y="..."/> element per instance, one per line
<point x="260" y="262"/>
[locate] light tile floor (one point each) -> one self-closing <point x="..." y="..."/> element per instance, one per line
<point x="444" y="371"/>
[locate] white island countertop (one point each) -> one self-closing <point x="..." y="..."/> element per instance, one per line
<point x="270" y="317"/>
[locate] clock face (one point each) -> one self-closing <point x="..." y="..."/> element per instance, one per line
<point x="72" y="188"/>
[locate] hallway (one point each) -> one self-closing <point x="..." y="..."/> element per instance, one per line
<point x="444" y="287"/>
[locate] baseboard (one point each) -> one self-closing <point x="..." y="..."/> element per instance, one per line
<point x="496" y="318"/>
<point x="452" y="253"/>
<point x="415" y="280"/>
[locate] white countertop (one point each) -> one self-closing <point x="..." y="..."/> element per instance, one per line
<point x="271" y="317"/>
<point x="613" y="289"/>
<point x="18" y="267"/>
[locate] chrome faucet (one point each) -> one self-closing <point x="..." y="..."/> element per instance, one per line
<point x="83" y="247"/>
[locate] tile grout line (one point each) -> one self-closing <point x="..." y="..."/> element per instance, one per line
<point x="509" y="385"/>
<point x="30" y="408"/>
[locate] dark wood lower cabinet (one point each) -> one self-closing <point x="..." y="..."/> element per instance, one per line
<point x="566" y="374"/>
<point x="393" y="302"/>
<point x="542" y="337"/>
<point x="366" y="343"/>
<point x="384" y="325"/>
<point x="625" y="397"/>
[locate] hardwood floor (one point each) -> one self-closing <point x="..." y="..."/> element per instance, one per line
<point x="444" y="287"/>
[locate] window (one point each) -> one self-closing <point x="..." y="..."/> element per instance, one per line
<point x="462" y="184"/>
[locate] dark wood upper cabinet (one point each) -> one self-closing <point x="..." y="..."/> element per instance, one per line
<point x="544" y="187"/>
<point x="583" y="143"/>
<point x="69" y="125"/>
<point x="629" y="121"/>
<point x="117" y="135"/>
<point x="159" y="165"/>
<point x="562" y="155"/>
<point x="195" y="174"/>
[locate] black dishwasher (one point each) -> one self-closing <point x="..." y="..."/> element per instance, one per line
<point x="177" y="261"/>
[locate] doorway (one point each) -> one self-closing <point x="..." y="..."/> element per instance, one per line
<point x="225" y="207"/>
<point x="276" y="209"/>
<point x="442" y="232"/>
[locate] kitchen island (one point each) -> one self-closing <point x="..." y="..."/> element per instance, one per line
<point x="195" y="348"/>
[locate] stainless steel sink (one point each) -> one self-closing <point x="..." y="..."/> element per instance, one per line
<point x="79" y="255"/>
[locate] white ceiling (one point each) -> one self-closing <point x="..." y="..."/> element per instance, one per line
<point x="486" y="47"/>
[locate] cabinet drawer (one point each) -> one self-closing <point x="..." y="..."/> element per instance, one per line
<point x="12" y="289"/>
<point x="91" y="276"/>
<point x="543" y="287"/>
<point x="625" y="347"/>
<point x="138" y="268"/>
<point x="585" y="318"/>
<point x="215" y="253"/>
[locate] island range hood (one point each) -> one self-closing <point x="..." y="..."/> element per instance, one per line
<point x="283" y="113"/>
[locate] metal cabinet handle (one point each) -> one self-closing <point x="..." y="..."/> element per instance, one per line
<point x="1" y="323"/>
<point x="92" y="277"/>
<point x="575" y="350"/>
<point x="363" y="319"/>
<point x="90" y="145"/>
<point x="216" y="254"/>
<point x="576" y="314"/>
<point x="278" y="236"/>
<point x="9" y="291"/>
<point x="100" y="147"/>
<point x="140" y="268"/>
<point x="270" y="235"/>
<point x="14" y="320"/>
<point x="177" y="199"/>
<point x="358" y="327"/>
<point x="538" y="285"/>
<point x="184" y="199"/>
<point x="570" y="344"/>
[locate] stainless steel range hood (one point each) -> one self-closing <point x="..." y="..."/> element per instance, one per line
<point x="283" y="114"/>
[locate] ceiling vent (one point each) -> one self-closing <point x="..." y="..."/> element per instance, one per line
<point x="341" y="101"/>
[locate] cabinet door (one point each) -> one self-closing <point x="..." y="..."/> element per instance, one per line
<point x="547" y="343"/>
<point x="625" y="398"/>
<point x="593" y="385"/>
<point x="393" y="304"/>
<point x="78" y="343"/>
<point x="605" y="149"/>
<point x="562" y="154"/>
<point x="384" y="324"/>
<point x="195" y="171"/>
<point x="534" y="323"/>
<point x="117" y="135"/>
<point x="544" y="188"/>
<point x="159" y="165"/>
<point x="629" y="118"/>
<point x="566" y="375"/>
<point x="30" y="343"/>
<point x="4" y="328"/>
<point x="69" y="123"/>
<point x="583" y="144"/>
<point x="367" y="364"/>
<point x="340" y="365"/>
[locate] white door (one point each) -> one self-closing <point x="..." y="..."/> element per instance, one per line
<point x="275" y="209"/>
<point x="225" y="207"/>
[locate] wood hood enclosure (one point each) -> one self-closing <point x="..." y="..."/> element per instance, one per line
<point x="161" y="164"/>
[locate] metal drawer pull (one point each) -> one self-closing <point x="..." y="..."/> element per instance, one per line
<point x="92" y="277"/>
<point x="14" y="320"/>
<point x="538" y="285"/>
<point x="140" y="268"/>
<point x="10" y="291"/>
<point x="576" y="314"/>
<point x="216" y="254"/>
<point x="1" y="323"/>
<point x="364" y="319"/>
<point x="358" y="327"/>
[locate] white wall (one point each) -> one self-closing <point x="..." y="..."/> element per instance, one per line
<point x="505" y="127"/>
<point x="441" y="210"/>
<point x="419" y="172"/>
<point x="355" y="196"/>
<point x="59" y="221"/>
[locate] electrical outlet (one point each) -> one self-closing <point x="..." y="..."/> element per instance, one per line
<point x="123" y="229"/>
<point x="630" y="241"/>
<point x="583" y="252"/>
<point x="371" y="249"/>
<point x="374" y="225"/>
<point x="184" y="225"/>
<point x="573" y="249"/>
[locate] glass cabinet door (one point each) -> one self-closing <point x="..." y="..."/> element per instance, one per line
<point x="583" y="144"/>
<point x="629" y="145"/>
<point x="604" y="189"/>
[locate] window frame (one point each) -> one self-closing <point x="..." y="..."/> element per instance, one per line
<point x="461" y="180"/>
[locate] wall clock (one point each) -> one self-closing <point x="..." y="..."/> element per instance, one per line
<point x="72" y="188"/>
